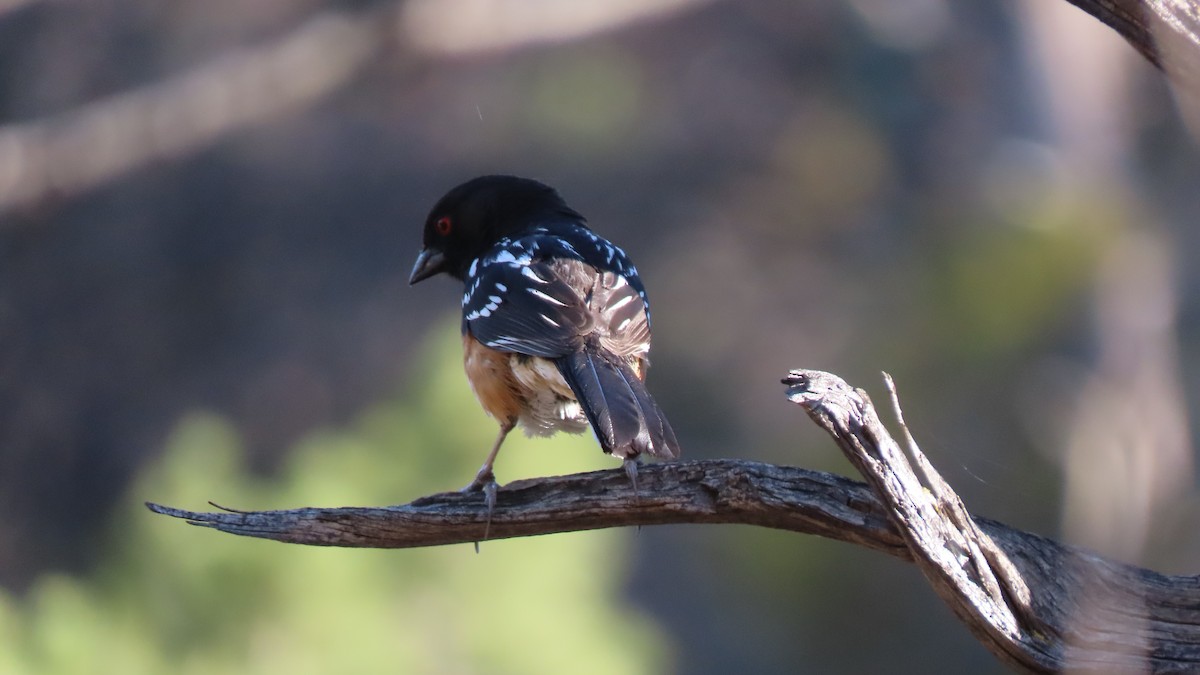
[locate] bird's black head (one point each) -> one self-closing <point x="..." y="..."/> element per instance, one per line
<point x="472" y="217"/>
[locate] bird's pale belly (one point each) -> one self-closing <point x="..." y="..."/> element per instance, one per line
<point x="523" y="389"/>
<point x="550" y="404"/>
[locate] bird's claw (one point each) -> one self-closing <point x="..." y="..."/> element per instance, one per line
<point x="485" y="482"/>
<point x="489" y="497"/>
<point x="631" y="470"/>
<point x="483" y="479"/>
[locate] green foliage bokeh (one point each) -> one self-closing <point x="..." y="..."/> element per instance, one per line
<point x="168" y="598"/>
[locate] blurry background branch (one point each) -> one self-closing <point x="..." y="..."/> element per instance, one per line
<point x="80" y="149"/>
<point x="71" y="152"/>
<point x="1166" y="32"/>
<point x="1018" y="593"/>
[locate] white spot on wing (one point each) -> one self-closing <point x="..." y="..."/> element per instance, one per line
<point x="546" y="297"/>
<point x="530" y="274"/>
<point x="620" y="303"/>
<point x="550" y="321"/>
<point x="470" y="293"/>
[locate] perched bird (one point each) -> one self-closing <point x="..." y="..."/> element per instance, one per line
<point x="555" y="321"/>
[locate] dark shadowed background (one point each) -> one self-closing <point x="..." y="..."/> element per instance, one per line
<point x="208" y="213"/>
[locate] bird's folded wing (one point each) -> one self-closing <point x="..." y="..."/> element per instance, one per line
<point x="528" y="308"/>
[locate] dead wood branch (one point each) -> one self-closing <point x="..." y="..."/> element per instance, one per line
<point x="1036" y="604"/>
<point x="713" y="491"/>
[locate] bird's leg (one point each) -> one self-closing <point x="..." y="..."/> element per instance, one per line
<point x="485" y="480"/>
<point x="485" y="477"/>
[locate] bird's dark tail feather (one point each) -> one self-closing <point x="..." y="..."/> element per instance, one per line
<point x="624" y="416"/>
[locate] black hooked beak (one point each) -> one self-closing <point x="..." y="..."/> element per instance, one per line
<point x="431" y="261"/>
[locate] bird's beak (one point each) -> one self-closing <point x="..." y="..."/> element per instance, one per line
<point x="430" y="262"/>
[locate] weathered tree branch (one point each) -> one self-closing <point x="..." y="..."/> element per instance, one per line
<point x="713" y="491"/>
<point x="1036" y="604"/>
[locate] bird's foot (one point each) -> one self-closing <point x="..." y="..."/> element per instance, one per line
<point x="631" y="470"/>
<point x="483" y="479"/>
<point x="485" y="482"/>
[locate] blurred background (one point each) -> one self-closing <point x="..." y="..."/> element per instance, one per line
<point x="208" y="213"/>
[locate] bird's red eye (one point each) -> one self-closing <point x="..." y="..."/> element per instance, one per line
<point x="443" y="225"/>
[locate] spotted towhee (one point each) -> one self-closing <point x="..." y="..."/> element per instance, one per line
<point x="555" y="323"/>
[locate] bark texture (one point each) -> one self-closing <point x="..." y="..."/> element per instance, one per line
<point x="1038" y="605"/>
